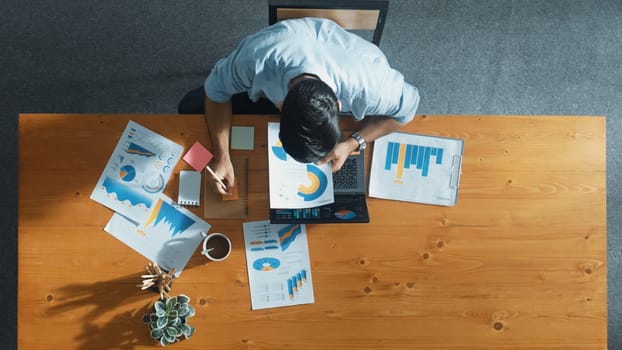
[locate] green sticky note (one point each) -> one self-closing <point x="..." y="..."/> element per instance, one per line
<point x="243" y="137"/>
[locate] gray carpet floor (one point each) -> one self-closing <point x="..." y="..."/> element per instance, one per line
<point x="517" y="57"/>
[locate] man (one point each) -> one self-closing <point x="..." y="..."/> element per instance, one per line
<point x="311" y="69"/>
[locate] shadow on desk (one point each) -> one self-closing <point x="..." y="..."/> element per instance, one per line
<point x="102" y="326"/>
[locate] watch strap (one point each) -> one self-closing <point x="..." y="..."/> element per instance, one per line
<point x="360" y="140"/>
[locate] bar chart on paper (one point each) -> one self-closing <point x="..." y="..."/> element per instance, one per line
<point x="416" y="168"/>
<point x="277" y="261"/>
<point x="403" y="156"/>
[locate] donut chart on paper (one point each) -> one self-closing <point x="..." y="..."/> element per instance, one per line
<point x="266" y="264"/>
<point x="153" y="183"/>
<point x="279" y="151"/>
<point x="317" y="186"/>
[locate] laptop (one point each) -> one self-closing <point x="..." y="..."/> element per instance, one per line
<point x="350" y="204"/>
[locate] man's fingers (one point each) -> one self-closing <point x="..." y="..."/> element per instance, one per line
<point x="217" y="187"/>
<point x="324" y="160"/>
<point x="227" y="190"/>
<point x="337" y="164"/>
<point x="220" y="187"/>
<point x="223" y="190"/>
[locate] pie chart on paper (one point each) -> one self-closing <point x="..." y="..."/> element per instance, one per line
<point x="127" y="173"/>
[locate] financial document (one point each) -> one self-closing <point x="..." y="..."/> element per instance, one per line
<point x="145" y="219"/>
<point x="137" y="172"/>
<point x="169" y="235"/>
<point x="293" y="184"/>
<point x="416" y="168"/>
<point x="277" y="260"/>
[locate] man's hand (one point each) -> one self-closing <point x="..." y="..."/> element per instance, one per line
<point x="340" y="153"/>
<point x="218" y="118"/>
<point x="370" y="129"/>
<point x="223" y="169"/>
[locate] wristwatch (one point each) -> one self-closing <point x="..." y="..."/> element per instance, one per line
<point x="361" y="141"/>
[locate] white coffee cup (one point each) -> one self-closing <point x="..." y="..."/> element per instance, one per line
<point x="216" y="246"/>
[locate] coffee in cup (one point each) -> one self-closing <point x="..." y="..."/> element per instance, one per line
<point x="216" y="246"/>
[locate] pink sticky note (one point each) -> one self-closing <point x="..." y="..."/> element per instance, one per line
<point x="198" y="156"/>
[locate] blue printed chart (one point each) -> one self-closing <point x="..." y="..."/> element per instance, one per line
<point x="277" y="260"/>
<point x="294" y="184"/>
<point x="137" y="172"/>
<point x="145" y="220"/>
<point x="169" y="235"/>
<point x="416" y="168"/>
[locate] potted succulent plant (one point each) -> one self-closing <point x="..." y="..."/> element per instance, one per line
<point x="168" y="319"/>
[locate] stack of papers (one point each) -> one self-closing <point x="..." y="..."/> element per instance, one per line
<point x="145" y="219"/>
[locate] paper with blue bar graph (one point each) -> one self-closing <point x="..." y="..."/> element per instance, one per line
<point x="416" y="168"/>
<point x="277" y="260"/>
<point x="293" y="184"/>
<point x="169" y="235"/>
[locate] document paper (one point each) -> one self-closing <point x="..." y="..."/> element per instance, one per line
<point x="137" y="172"/>
<point x="145" y="219"/>
<point x="416" y="168"/>
<point x="292" y="184"/>
<point x="169" y="235"/>
<point x="277" y="260"/>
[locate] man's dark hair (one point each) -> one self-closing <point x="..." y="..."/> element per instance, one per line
<point x="309" y="121"/>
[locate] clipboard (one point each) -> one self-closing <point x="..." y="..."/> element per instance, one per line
<point x="216" y="208"/>
<point x="416" y="168"/>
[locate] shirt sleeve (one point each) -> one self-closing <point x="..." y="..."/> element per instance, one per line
<point x="400" y="105"/>
<point x="230" y="75"/>
<point x="408" y="104"/>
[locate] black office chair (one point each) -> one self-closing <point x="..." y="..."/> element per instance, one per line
<point x="352" y="15"/>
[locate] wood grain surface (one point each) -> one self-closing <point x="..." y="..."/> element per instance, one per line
<point x="518" y="263"/>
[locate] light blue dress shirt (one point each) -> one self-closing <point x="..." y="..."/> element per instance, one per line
<point x="358" y="72"/>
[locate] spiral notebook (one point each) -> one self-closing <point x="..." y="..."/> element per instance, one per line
<point x="189" y="188"/>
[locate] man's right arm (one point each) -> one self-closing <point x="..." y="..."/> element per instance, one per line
<point x="218" y="118"/>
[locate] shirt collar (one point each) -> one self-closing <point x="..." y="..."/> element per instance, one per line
<point x="319" y="72"/>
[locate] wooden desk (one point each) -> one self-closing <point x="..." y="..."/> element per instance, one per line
<point x="520" y="262"/>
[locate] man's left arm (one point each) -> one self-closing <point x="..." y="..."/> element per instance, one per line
<point x="371" y="129"/>
<point x="397" y="113"/>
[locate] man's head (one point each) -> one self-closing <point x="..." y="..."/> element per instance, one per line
<point x="309" y="121"/>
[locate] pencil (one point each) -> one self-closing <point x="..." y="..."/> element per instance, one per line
<point x="216" y="177"/>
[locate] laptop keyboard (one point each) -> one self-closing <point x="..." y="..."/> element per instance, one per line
<point x="345" y="178"/>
